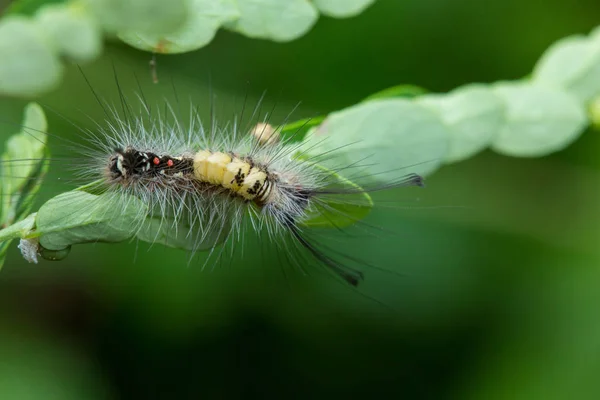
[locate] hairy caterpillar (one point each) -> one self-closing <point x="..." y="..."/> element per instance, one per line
<point x="175" y="181"/>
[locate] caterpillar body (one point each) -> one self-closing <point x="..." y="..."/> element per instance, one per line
<point x="205" y="170"/>
<point x="205" y="186"/>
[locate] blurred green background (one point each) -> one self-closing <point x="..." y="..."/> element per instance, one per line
<point x="497" y="281"/>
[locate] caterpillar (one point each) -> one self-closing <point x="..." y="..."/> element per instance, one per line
<point x="203" y="186"/>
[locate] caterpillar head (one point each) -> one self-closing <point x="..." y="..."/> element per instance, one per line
<point x="122" y="164"/>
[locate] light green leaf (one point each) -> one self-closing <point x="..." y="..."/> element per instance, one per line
<point x="23" y="165"/>
<point x="78" y="217"/>
<point x="73" y="31"/>
<point x="142" y="16"/>
<point x="19" y="230"/>
<point x="342" y="8"/>
<point x="473" y="114"/>
<point x="29" y="64"/>
<point x="278" y="20"/>
<point x="178" y="232"/>
<point x="205" y="18"/>
<point x="572" y="63"/>
<point x="539" y="120"/>
<point x="297" y="130"/>
<point x="388" y="137"/>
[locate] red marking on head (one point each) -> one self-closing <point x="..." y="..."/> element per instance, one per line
<point x="170" y="163"/>
<point x="156" y="160"/>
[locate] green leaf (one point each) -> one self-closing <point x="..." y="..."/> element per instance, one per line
<point x="573" y="64"/>
<point x="75" y="33"/>
<point x="399" y="91"/>
<point x="19" y="230"/>
<point x="338" y="211"/>
<point x="595" y="34"/>
<point x="30" y="65"/>
<point x="278" y="20"/>
<point x="388" y="137"/>
<point x="78" y="217"/>
<point x="204" y="19"/>
<point x="29" y="7"/>
<point x="22" y="167"/>
<point x="297" y="130"/>
<point x="342" y="8"/>
<point x="539" y="120"/>
<point x="474" y="115"/>
<point x="594" y="112"/>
